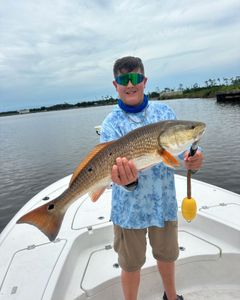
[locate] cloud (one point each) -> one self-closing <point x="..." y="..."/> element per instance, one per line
<point x="55" y="50"/>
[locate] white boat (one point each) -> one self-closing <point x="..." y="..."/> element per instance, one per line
<point x="81" y="263"/>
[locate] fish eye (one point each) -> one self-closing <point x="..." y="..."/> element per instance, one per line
<point x="50" y="206"/>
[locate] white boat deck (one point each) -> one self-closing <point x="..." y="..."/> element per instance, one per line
<point x="81" y="263"/>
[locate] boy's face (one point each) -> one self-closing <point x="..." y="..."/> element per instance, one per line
<point x="131" y="94"/>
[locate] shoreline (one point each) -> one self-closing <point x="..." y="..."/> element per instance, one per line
<point x="74" y="106"/>
<point x="189" y="93"/>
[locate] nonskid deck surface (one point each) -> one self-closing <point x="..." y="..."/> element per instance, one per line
<point x="206" y="293"/>
<point x="214" y="293"/>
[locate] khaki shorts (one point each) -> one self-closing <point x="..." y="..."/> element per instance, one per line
<point x="130" y="244"/>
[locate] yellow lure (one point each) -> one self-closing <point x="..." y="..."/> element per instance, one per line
<point x="189" y="205"/>
<point x="189" y="209"/>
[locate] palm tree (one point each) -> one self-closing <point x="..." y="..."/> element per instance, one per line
<point x="180" y="87"/>
<point x="225" y="80"/>
<point x="210" y="82"/>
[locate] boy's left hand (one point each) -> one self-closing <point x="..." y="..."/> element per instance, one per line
<point x="193" y="162"/>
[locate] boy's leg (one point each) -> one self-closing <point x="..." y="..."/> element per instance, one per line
<point x="130" y="244"/>
<point x="164" y="242"/>
<point x="130" y="284"/>
<point x="167" y="272"/>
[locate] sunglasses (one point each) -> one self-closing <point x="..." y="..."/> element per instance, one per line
<point x="135" y="78"/>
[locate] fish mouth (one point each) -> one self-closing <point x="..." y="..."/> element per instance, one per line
<point x="200" y="130"/>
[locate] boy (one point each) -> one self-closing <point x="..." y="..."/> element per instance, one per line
<point x="142" y="202"/>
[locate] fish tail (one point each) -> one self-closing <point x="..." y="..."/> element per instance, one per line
<point x="46" y="218"/>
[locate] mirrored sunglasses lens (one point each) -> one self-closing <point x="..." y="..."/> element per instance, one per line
<point x="122" y="79"/>
<point x="135" y="78"/>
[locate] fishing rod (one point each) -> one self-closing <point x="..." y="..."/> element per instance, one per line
<point x="189" y="206"/>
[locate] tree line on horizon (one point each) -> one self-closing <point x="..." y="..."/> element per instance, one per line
<point x="212" y="86"/>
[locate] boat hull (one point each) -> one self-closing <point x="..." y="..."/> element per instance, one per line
<point x="81" y="263"/>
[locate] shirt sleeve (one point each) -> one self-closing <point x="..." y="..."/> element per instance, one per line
<point x="107" y="131"/>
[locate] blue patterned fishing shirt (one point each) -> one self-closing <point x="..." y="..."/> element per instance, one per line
<point x="154" y="199"/>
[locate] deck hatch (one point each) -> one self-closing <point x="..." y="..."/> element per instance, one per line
<point x="92" y="213"/>
<point x="27" y="276"/>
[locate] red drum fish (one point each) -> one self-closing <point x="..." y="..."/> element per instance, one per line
<point x="146" y="146"/>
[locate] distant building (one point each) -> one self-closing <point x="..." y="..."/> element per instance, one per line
<point x="24" y="111"/>
<point x="171" y="93"/>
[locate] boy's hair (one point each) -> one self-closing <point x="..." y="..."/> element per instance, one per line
<point x="127" y="64"/>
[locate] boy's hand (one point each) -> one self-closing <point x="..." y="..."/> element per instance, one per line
<point x="193" y="162"/>
<point x="124" y="172"/>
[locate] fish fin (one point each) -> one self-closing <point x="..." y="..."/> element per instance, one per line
<point x="86" y="160"/>
<point x="168" y="159"/>
<point x="46" y="218"/>
<point x="95" y="195"/>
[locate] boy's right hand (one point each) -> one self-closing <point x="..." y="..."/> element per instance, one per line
<point x="124" y="172"/>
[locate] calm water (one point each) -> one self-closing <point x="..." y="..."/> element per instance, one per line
<point x="38" y="149"/>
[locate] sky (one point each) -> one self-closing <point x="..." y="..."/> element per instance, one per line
<point x="56" y="51"/>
